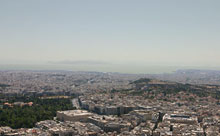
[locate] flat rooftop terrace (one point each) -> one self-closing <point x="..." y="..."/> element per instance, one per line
<point x="75" y="112"/>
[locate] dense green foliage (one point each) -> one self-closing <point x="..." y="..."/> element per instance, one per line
<point x="27" y="116"/>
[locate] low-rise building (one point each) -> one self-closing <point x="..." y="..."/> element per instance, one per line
<point x="182" y="119"/>
<point x="73" y="115"/>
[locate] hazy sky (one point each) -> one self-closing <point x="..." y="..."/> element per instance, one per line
<point x="143" y="32"/>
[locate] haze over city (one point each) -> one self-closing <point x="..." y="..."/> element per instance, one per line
<point x="110" y="36"/>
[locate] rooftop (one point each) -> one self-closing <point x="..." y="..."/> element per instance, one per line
<point x="75" y="112"/>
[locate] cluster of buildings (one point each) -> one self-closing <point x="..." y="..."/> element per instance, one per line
<point x="55" y="128"/>
<point x="153" y="117"/>
<point x="60" y="82"/>
<point x="108" y="104"/>
<point x="137" y="122"/>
